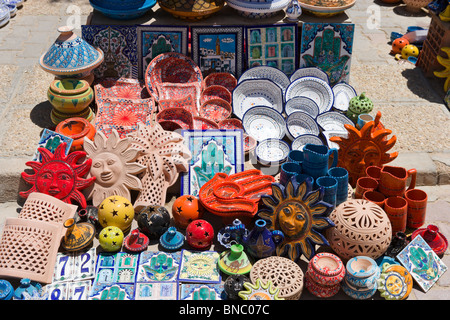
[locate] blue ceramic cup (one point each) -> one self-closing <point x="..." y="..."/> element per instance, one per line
<point x="341" y="175"/>
<point x="363" y="118"/>
<point x="301" y="177"/>
<point x="288" y="170"/>
<point x="295" y="156"/>
<point x="329" y="186"/>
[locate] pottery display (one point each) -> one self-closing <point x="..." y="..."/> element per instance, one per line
<point x="199" y="234"/>
<point x="136" y="241"/>
<point x="186" y="209"/>
<point x="70" y="56"/>
<point x="116" y="211"/>
<point x="172" y="239"/>
<point x="433" y="237"/>
<point x="285" y="275"/>
<point x="123" y="10"/>
<point x="76" y="129"/>
<point x="361" y="228"/>
<point x="153" y="221"/>
<point x="235" y="261"/>
<point x="260" y="241"/>
<point x="78" y="235"/>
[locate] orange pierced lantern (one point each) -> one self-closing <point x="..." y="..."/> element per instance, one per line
<point x="237" y="195"/>
<point x="186" y="209"/>
<point x="398" y="44"/>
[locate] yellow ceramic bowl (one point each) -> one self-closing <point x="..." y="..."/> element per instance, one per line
<point x="70" y="103"/>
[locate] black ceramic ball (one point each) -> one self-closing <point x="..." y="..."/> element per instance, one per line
<point x="153" y="221"/>
<point x="234" y="284"/>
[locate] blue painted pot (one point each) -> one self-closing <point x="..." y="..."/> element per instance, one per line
<point x="261" y="242"/>
<point x="362" y="272"/>
<point x="6" y="290"/>
<point x="316" y="159"/>
<point x="123" y="14"/>
<point x="358" y="293"/>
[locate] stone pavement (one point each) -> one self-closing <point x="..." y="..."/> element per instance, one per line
<point x="411" y="104"/>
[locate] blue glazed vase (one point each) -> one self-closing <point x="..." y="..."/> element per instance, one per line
<point x="341" y="175"/>
<point x="316" y="160"/>
<point x="261" y="242"/>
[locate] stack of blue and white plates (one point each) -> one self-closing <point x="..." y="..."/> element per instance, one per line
<point x="4" y="14"/>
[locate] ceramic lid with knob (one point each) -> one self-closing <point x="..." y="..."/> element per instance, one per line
<point x="70" y="54"/>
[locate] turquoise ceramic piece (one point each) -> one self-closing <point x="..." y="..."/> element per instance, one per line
<point x="32" y="288"/>
<point x="288" y="170"/>
<point x="6" y="290"/>
<point x="70" y="56"/>
<point x="262" y="242"/>
<point x="122" y="13"/>
<point x="120" y="4"/>
<point x="358" y="293"/>
<point x="172" y="239"/>
<point x="366" y="276"/>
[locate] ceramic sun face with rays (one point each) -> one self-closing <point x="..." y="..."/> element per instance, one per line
<point x="363" y="148"/>
<point x="113" y="166"/>
<point x="59" y="175"/>
<point x="300" y="214"/>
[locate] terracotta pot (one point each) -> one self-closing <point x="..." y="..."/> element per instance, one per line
<point x="77" y="129"/>
<point x="396" y="209"/>
<point x="364" y="184"/>
<point x="393" y="180"/>
<point x="417" y="207"/>
<point x="375" y="197"/>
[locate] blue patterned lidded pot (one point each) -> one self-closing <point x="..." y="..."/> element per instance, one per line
<point x="70" y="56"/>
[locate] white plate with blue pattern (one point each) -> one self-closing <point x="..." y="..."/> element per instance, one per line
<point x="303" y="104"/>
<point x="300" y="123"/>
<point x="343" y="93"/>
<point x="271" y="151"/>
<point x="266" y="72"/>
<point x="309" y="72"/>
<point x="262" y="123"/>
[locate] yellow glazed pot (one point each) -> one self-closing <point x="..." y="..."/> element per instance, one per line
<point x="70" y="95"/>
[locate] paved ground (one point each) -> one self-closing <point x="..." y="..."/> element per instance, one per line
<point x="411" y="105"/>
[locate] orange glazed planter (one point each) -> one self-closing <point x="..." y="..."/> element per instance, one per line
<point x="77" y="129"/>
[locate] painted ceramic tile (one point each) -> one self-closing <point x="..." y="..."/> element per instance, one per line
<point x="329" y="47"/>
<point x="156" y="291"/>
<point x="199" y="266"/>
<point x="212" y="151"/>
<point x="154" y="40"/>
<point x="79" y="290"/>
<point x="274" y="46"/>
<point x="57" y="291"/>
<point x="50" y="140"/>
<point x="202" y="291"/>
<point x="117" y="291"/>
<point x="75" y="266"/>
<point x="156" y="266"/>
<point x="422" y="263"/>
<point x="119" y="48"/>
<point x="218" y="49"/>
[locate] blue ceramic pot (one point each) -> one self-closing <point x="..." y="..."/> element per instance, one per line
<point x="172" y="239"/>
<point x="341" y="175"/>
<point x="330" y="186"/>
<point x="288" y="170"/>
<point x="300" y="178"/>
<point x="362" y="272"/>
<point x="122" y="14"/>
<point x="316" y="159"/>
<point x="358" y="293"/>
<point x="295" y="156"/>
<point x="6" y="290"/>
<point x="261" y="242"/>
<point x="32" y="288"/>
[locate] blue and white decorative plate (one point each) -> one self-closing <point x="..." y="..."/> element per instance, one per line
<point x="343" y="92"/>
<point x="302" y="140"/>
<point x="256" y="92"/>
<point x="333" y="121"/>
<point x="300" y="123"/>
<point x="258" y="10"/>
<point x="314" y="88"/>
<point x="4" y="14"/>
<point x="262" y="123"/>
<point x="310" y="72"/>
<point x="303" y="104"/>
<point x="266" y="72"/>
<point x="272" y="151"/>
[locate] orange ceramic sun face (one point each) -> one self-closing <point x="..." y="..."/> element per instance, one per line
<point x="186" y="209"/>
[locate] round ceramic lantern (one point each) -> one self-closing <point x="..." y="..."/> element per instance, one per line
<point x="111" y="238"/>
<point x="116" y="211"/>
<point x="362" y="228"/>
<point x="186" y="209"/>
<point x="199" y="234"/>
<point x="153" y="221"/>
<point x="234" y="284"/>
<point x="359" y="105"/>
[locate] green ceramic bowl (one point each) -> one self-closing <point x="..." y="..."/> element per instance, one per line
<point x="71" y="102"/>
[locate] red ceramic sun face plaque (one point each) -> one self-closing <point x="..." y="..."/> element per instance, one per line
<point x="59" y="175"/>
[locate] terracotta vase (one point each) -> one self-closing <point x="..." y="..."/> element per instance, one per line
<point x="364" y="184"/>
<point x="396" y="209"/>
<point x="393" y="180"/>
<point x="435" y="239"/>
<point x="417" y="207"/>
<point x="77" y="129"/>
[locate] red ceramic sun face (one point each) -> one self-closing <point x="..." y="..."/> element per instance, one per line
<point x="59" y="175"/>
<point x="199" y="234"/>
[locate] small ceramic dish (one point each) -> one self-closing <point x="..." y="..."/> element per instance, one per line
<point x="343" y="93"/>
<point x="179" y="115"/>
<point x="177" y="70"/>
<point x="215" y="92"/>
<point x="201" y="123"/>
<point x="169" y="125"/>
<point x="215" y="109"/>
<point x="301" y="104"/>
<point x="256" y="92"/>
<point x="272" y="151"/>
<point x="231" y="124"/>
<point x="178" y="91"/>
<point x="300" y="123"/>
<point x="304" y="139"/>
<point x="187" y="103"/>
<point x="333" y="121"/>
<point x="223" y="79"/>
<point x="266" y="72"/>
<point x="314" y="88"/>
<point x="263" y="122"/>
<point x="249" y="143"/>
<point x="309" y="72"/>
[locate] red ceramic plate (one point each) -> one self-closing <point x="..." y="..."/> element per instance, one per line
<point x="204" y="124"/>
<point x="231" y="124"/>
<point x="223" y="79"/>
<point x="177" y="115"/>
<point x="215" y="109"/>
<point x="215" y="92"/>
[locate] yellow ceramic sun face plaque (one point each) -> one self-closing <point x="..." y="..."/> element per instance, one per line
<point x="259" y="291"/>
<point x="395" y="282"/>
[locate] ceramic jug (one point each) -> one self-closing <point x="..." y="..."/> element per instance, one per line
<point x="393" y="180"/>
<point x="261" y="242"/>
<point x="316" y="159"/>
<point x="293" y="11"/>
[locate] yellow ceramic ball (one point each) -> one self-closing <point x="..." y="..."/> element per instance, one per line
<point x="116" y="211"/>
<point x="410" y="50"/>
<point x="111" y="239"/>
